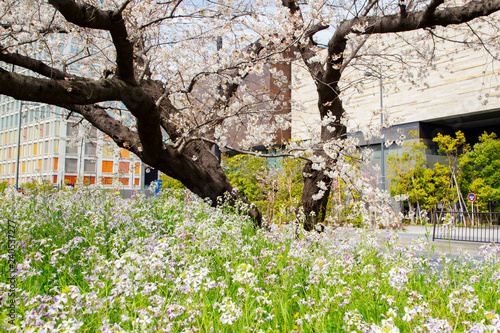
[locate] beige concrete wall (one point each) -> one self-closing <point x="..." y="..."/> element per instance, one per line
<point x="469" y="83"/>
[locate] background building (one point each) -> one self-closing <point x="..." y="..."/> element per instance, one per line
<point x="61" y="150"/>
<point x="461" y="93"/>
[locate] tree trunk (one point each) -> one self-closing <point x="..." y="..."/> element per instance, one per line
<point x="314" y="210"/>
<point x="200" y="171"/>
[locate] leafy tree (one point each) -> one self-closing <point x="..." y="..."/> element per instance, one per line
<point x="426" y="187"/>
<point x="169" y="182"/>
<point x="423" y="186"/>
<point x="160" y="61"/>
<point x="452" y="148"/>
<point x="273" y="187"/>
<point x="408" y="175"/>
<point x="481" y="171"/>
<point x="243" y="173"/>
<point x="3" y="186"/>
<point x="290" y="184"/>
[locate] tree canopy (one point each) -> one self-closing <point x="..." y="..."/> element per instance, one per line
<point x="185" y="90"/>
<point x="481" y="169"/>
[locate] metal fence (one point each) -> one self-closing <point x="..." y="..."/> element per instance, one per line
<point x="466" y="226"/>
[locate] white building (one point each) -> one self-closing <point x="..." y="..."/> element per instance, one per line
<point x="60" y="150"/>
<point x="461" y="92"/>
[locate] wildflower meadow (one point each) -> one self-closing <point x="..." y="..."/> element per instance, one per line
<point x="90" y="261"/>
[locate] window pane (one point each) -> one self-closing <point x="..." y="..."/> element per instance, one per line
<point x="107" y="151"/>
<point x="89" y="166"/>
<point x="71" y="150"/>
<point x="90" y="149"/>
<point x="123" y="167"/>
<point x="71" y="130"/>
<point x="71" y="165"/>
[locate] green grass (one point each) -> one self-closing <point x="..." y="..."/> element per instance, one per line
<point x="90" y="261"/>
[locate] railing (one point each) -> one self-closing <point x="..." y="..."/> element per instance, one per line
<point x="466" y="226"/>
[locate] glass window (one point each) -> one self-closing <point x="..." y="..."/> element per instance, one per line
<point x="71" y="165"/>
<point x="89" y="166"/>
<point x="124" y="153"/>
<point x="71" y="130"/>
<point x="124" y="167"/>
<point x="56" y="128"/>
<point x="71" y="150"/>
<point x="107" y="166"/>
<point x="107" y="180"/>
<point x="90" y="149"/>
<point x="107" y="151"/>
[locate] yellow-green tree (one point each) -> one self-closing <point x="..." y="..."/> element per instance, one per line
<point x="451" y="148"/>
<point x="409" y="175"/>
<point x="274" y="186"/>
<point x="426" y="187"/>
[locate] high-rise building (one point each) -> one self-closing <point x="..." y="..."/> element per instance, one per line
<point x="60" y="150"/>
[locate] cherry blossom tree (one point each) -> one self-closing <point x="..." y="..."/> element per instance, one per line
<point x="349" y="26"/>
<point x="163" y="63"/>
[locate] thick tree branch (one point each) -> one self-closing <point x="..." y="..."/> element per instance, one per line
<point x="37" y="66"/>
<point x="165" y="108"/>
<point x="391" y="24"/>
<point x="60" y="92"/>
<point x="431" y="8"/>
<point x="122" y="7"/>
<point x="424" y="19"/>
<point x="75" y="92"/>
<point x="402" y="7"/>
<point x="121" y="134"/>
<point x="291" y="5"/>
<point x="88" y="16"/>
<point x="368" y="7"/>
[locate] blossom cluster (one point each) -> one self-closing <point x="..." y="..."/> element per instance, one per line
<point x="91" y="261"/>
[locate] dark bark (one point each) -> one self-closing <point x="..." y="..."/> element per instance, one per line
<point x="315" y="210"/>
<point x="194" y="165"/>
<point x="327" y="77"/>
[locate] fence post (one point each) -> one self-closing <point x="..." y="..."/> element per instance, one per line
<point x="433" y="220"/>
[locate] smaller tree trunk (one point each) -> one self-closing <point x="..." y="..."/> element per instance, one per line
<point x="314" y="210"/>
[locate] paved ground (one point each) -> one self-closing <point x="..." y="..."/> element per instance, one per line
<point x="407" y="234"/>
<point x="450" y="248"/>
